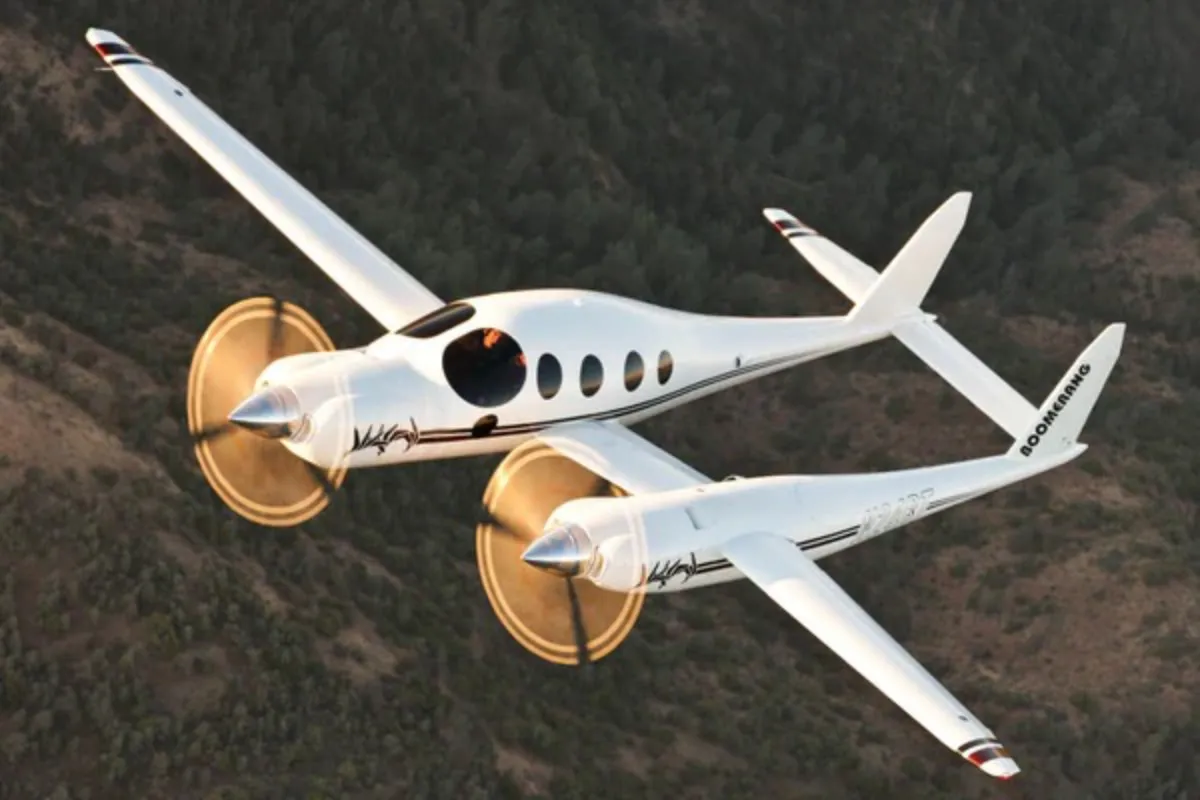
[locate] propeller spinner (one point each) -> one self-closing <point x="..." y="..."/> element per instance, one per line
<point x="236" y="432"/>
<point x="556" y="616"/>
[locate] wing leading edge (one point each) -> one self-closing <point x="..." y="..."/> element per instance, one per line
<point x="816" y="601"/>
<point x="374" y="281"/>
<point x="621" y="457"/>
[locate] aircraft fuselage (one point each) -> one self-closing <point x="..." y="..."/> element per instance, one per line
<point x="508" y="365"/>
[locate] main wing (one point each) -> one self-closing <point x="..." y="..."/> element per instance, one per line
<point x="816" y="601"/>
<point x="374" y="281"/>
<point x="794" y="581"/>
<point x="621" y="457"/>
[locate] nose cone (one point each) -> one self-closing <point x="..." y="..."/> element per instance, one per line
<point x="563" y="551"/>
<point x="271" y="413"/>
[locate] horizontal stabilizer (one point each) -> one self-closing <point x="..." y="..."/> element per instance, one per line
<point x="963" y="370"/>
<point x="1058" y="423"/>
<point x="849" y="276"/>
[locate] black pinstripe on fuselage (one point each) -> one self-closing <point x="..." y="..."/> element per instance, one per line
<point x="450" y="435"/>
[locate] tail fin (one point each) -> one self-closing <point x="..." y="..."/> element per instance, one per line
<point x="903" y="284"/>
<point x="1057" y="424"/>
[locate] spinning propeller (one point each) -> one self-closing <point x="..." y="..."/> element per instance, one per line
<point x="563" y="620"/>
<point x="254" y="474"/>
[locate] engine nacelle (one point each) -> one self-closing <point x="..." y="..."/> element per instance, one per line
<point x="628" y="535"/>
<point x="565" y="556"/>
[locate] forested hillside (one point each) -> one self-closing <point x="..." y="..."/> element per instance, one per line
<point x="152" y="644"/>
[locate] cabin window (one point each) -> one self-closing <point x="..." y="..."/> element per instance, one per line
<point x="485" y="367"/>
<point x="666" y="365"/>
<point x="549" y="376"/>
<point x="591" y="375"/>
<point x="438" y="321"/>
<point x="635" y="370"/>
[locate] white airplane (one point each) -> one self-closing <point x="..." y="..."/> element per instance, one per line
<point x="278" y="415"/>
<point x="584" y="518"/>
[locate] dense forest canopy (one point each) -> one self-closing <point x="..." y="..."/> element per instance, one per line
<point x="152" y="644"/>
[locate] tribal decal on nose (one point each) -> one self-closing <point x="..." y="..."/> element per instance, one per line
<point x="382" y="437"/>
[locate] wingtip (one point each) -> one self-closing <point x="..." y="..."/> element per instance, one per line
<point x="115" y="51"/>
<point x="787" y="224"/>
<point x="1002" y="768"/>
<point x="992" y="758"/>
<point x="97" y="36"/>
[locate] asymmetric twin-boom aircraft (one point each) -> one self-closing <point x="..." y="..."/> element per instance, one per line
<point x="583" y="518"/>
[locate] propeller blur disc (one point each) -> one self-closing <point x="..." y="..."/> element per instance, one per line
<point x="561" y="620"/>
<point x="256" y="477"/>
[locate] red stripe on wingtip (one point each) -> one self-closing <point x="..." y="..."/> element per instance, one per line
<point x="986" y="754"/>
<point x="113" y="49"/>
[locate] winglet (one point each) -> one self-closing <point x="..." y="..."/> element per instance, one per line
<point x="903" y="284"/>
<point x="1058" y="423"/>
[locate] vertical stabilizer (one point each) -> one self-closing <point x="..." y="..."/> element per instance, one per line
<point x="903" y="284"/>
<point x="1058" y="423"/>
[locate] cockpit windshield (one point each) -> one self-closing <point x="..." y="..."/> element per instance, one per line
<point x="438" y="321"/>
<point x="486" y="367"/>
